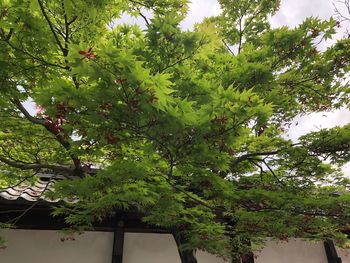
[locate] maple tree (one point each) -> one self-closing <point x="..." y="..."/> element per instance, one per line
<point x="185" y="127"/>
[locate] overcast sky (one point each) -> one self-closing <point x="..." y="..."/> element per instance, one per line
<point x="291" y="13"/>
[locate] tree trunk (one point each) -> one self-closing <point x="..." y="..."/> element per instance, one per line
<point x="187" y="256"/>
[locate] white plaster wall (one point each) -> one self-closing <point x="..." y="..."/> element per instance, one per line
<point x="157" y="248"/>
<point x="293" y="251"/>
<point x="41" y="246"/>
<point x="204" y="257"/>
<point x="150" y="248"/>
<point x="344" y="254"/>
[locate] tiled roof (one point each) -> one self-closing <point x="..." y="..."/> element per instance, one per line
<point x="31" y="192"/>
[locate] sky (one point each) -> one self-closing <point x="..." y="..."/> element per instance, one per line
<point x="291" y="13"/>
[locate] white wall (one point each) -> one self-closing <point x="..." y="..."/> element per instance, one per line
<point x="37" y="246"/>
<point x="293" y="251"/>
<point x="344" y="254"/>
<point x="150" y="248"/>
<point x="204" y="257"/>
<point x="156" y="248"/>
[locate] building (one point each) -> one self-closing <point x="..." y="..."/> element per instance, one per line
<point x="122" y="238"/>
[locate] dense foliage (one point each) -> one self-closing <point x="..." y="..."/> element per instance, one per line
<point x="184" y="127"/>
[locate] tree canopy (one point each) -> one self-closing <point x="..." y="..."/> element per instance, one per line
<point x="185" y="127"/>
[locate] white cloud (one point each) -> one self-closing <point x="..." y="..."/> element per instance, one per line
<point x="293" y="12"/>
<point x="198" y="10"/>
<point x="316" y="121"/>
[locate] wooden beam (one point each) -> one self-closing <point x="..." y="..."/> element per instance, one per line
<point x="118" y="243"/>
<point x="331" y="252"/>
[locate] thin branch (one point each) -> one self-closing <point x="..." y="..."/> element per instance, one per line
<point x="241" y="31"/>
<point x="198" y="201"/>
<point x="175" y="63"/>
<point x="66" y="33"/>
<point x="339" y="13"/>
<point x="73" y="20"/>
<point x="142" y="4"/>
<point x="180" y="60"/>
<point x="273" y="173"/>
<point x="34" y="57"/>
<point x="227" y="47"/>
<point x="27" y="114"/>
<point x="9" y="34"/>
<point x="144" y="18"/>
<point x="255" y="154"/>
<point x="58" y="136"/>
<point x="292" y="211"/>
<point x="36" y="166"/>
<point x="255" y="162"/>
<point x="19" y="182"/>
<point x="51" y="26"/>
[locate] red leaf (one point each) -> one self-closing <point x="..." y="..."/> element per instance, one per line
<point x="88" y="54"/>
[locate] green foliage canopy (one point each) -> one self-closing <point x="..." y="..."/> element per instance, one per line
<point x="184" y="127"/>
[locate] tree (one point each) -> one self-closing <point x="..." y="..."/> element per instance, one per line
<point x="185" y="127"/>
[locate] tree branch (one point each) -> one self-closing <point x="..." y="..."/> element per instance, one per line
<point x="180" y="60"/>
<point x="227" y="47"/>
<point x="273" y="173"/>
<point x="19" y="182"/>
<point x="36" y="166"/>
<point x="66" y="33"/>
<point x="73" y="20"/>
<point x="144" y="18"/>
<point x="249" y="155"/>
<point x="23" y="110"/>
<point x="51" y="26"/>
<point x="58" y="136"/>
<point x="34" y="57"/>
